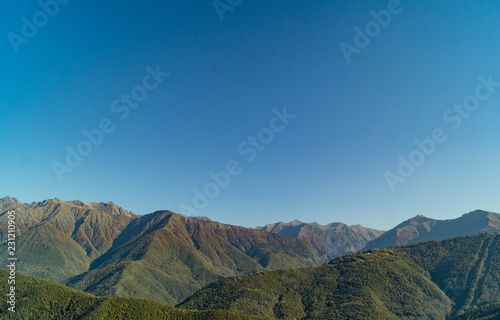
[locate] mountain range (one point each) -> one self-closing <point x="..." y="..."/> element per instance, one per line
<point x="105" y="250"/>
<point x="450" y="279"/>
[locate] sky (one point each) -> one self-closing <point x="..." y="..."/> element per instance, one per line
<point x="253" y="112"/>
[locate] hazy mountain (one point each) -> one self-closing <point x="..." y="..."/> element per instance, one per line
<point x="166" y="257"/>
<point x="336" y="238"/>
<point x="422" y="228"/>
<point x="59" y="239"/>
<point x="428" y="280"/>
<point x="47" y="300"/>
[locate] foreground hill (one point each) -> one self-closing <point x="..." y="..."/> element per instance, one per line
<point x="430" y="280"/>
<point x="166" y="257"/>
<point x="336" y="239"/>
<point x="59" y="239"/>
<point x="421" y="228"/>
<point x="46" y="300"/>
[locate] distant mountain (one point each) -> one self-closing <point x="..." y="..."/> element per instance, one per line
<point x="59" y="239"/>
<point x="336" y="238"/>
<point x="427" y="280"/>
<point x="422" y="228"/>
<point x="166" y="257"/>
<point x="47" y="300"/>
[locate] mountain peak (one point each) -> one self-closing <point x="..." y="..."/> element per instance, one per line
<point x="477" y="212"/>
<point x="10" y="199"/>
<point x="421" y="217"/>
<point x="7" y="203"/>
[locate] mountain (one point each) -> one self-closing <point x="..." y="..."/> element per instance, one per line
<point x="428" y="280"/>
<point x="38" y="299"/>
<point x="166" y="257"/>
<point x="422" y="228"/>
<point x="105" y="250"/>
<point x="335" y="239"/>
<point x="56" y="239"/>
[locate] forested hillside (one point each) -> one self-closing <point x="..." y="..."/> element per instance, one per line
<point x="430" y="280"/>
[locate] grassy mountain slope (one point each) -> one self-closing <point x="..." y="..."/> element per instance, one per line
<point x="430" y="280"/>
<point x="421" y="228"/>
<point x="488" y="312"/>
<point x="335" y="239"/>
<point x="166" y="257"/>
<point x="59" y="239"/>
<point x="38" y="299"/>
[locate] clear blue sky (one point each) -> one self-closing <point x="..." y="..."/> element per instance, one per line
<point x="353" y="120"/>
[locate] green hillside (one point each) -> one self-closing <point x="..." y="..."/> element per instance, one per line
<point x="46" y="300"/>
<point x="430" y="280"/>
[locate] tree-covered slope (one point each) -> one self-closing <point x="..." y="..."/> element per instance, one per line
<point x="488" y="312"/>
<point x="38" y="299"/>
<point x="166" y="257"/>
<point x="430" y="280"/>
